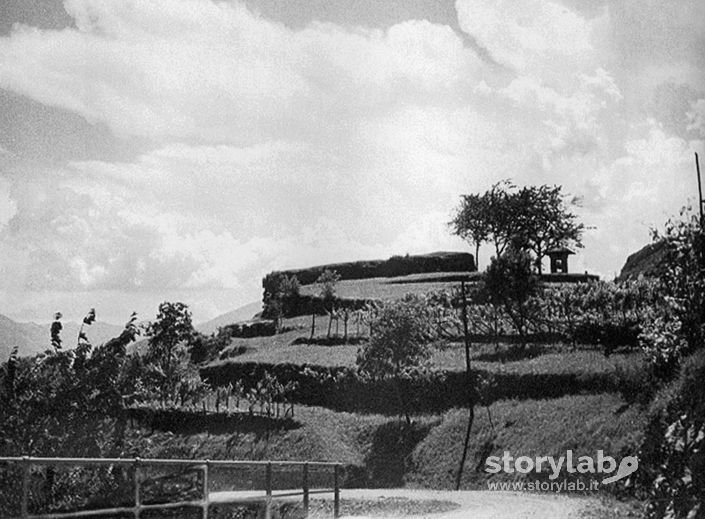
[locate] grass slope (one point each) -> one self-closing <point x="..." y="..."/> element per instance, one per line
<point x="381" y="451"/>
<point x="389" y="288"/>
<point x="582" y="423"/>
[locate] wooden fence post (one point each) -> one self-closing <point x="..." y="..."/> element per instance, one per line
<point x="26" y="466"/>
<point x="136" y="481"/>
<point x="305" y="489"/>
<point x="336" y="493"/>
<point x="268" y="500"/>
<point x="206" y="498"/>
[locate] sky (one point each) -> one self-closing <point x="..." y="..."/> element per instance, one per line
<point x="164" y="150"/>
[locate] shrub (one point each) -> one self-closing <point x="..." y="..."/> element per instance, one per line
<point x="676" y="328"/>
<point x="399" y="345"/>
<point x="672" y="468"/>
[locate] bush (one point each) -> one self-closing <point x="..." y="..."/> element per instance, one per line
<point x="672" y="468"/>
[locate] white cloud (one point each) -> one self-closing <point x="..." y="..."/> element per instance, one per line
<point x="274" y="148"/>
<point x="528" y="34"/>
<point x="216" y="72"/>
<point x="696" y="117"/>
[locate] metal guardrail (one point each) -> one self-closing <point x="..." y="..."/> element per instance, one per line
<point x="139" y="464"/>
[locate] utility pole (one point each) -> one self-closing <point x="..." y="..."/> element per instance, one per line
<point x="468" y="386"/>
<point x="700" y="190"/>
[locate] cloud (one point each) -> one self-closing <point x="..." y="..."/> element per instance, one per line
<point x="265" y="147"/>
<point x="528" y="34"/>
<point x="696" y="117"/>
<point x="219" y="73"/>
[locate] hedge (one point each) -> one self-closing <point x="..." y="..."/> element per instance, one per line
<point x="393" y="267"/>
<point x="342" y="389"/>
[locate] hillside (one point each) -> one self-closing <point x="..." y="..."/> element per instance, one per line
<point x="32" y="338"/>
<point x="244" y="313"/>
<point x="648" y="260"/>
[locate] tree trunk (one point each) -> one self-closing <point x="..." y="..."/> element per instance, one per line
<point x="402" y="403"/>
<point x="477" y="257"/>
<point x="313" y="324"/>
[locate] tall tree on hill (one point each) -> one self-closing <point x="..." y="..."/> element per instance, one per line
<point x="533" y="218"/>
<point x="471" y="222"/>
<point x="327" y="282"/>
<point x="545" y="221"/>
<point x="489" y="217"/>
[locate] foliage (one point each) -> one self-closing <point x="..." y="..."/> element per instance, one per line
<point x="545" y="221"/>
<point x="471" y="221"/>
<point x="281" y="293"/>
<point x="171" y="328"/>
<point x="534" y="218"/>
<point x="399" y="344"/>
<point x="52" y="404"/>
<point x="55" y="331"/>
<point x="510" y="283"/>
<point x="672" y="456"/>
<point x="675" y="329"/>
<point x="327" y="283"/>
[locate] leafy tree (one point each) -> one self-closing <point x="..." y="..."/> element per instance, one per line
<point x="510" y="283"/>
<point x="471" y="222"/>
<point x="399" y="345"/>
<point x="545" y="222"/>
<point x="55" y="331"/>
<point x="281" y="293"/>
<point x="327" y="283"/>
<point x="488" y="217"/>
<point x="172" y="327"/>
<point x="83" y="345"/>
<point x="533" y="218"/>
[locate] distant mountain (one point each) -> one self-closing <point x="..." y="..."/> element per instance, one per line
<point x="32" y="338"/>
<point x="648" y="260"/>
<point x="244" y="313"/>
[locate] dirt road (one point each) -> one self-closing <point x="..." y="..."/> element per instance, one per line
<point x="473" y="504"/>
<point x="488" y="504"/>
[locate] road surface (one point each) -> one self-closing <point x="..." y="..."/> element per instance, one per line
<point x="475" y="504"/>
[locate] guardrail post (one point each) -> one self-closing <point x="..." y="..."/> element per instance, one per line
<point x="268" y="485"/>
<point x="24" y="506"/>
<point x="305" y="488"/>
<point x="137" y="483"/>
<point x="206" y="499"/>
<point x="336" y="493"/>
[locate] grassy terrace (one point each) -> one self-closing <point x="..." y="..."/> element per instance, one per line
<point x="558" y="358"/>
<point x="380" y="454"/>
<point x="391" y="288"/>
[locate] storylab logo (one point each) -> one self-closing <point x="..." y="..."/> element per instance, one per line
<point x="605" y="466"/>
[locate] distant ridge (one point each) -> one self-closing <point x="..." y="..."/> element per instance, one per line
<point x="244" y="313"/>
<point x="32" y="338"/>
<point x="648" y="261"/>
<point x="393" y="267"/>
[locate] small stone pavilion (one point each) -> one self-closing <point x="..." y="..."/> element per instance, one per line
<point x="559" y="259"/>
